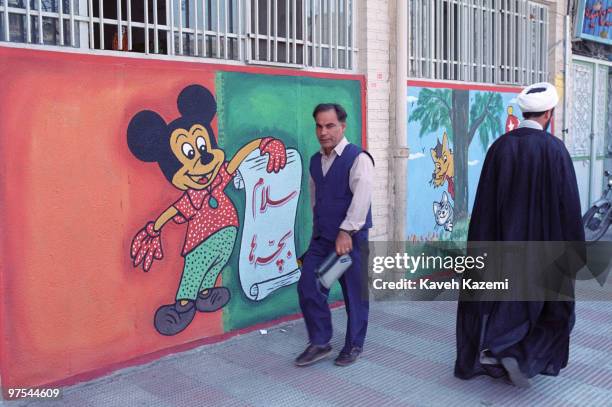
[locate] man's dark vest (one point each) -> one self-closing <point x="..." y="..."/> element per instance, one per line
<point x="333" y="193"/>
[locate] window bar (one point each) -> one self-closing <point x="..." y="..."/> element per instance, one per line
<point x="532" y="46"/>
<point x="287" y="38"/>
<point x="475" y="40"/>
<point x="353" y="34"/>
<point x="432" y="38"/>
<point x="479" y="40"/>
<point x="304" y="8"/>
<point x="28" y="22"/>
<point x="320" y="33"/>
<point x="346" y="34"/>
<point x="294" y="60"/>
<point x="180" y="26"/>
<point x="408" y="72"/>
<point x="465" y="9"/>
<point x="195" y="28"/>
<point x="528" y="45"/>
<point x="204" y="27"/>
<point x="249" y="29"/>
<point x="72" y="38"/>
<point x="218" y="30"/>
<point x="503" y="27"/>
<point x="416" y="39"/>
<point x="129" y="24"/>
<point x="60" y="10"/>
<point x="511" y="28"/>
<point x="461" y="41"/>
<point x="239" y="32"/>
<point x="275" y="30"/>
<point x="480" y="49"/>
<point x="225" y="29"/>
<point x="469" y="43"/>
<point x="40" y="23"/>
<point x="100" y="22"/>
<point x="91" y="25"/>
<point x="438" y="54"/>
<point x="170" y="35"/>
<point x="518" y="38"/>
<point x="513" y="44"/>
<point x="451" y="39"/>
<point x="491" y="47"/>
<point x="545" y="48"/>
<point x="269" y="30"/>
<point x="155" y="26"/>
<point x="256" y="29"/>
<point x="119" y="33"/>
<point x="336" y="32"/>
<point x="7" y="35"/>
<point x="467" y="50"/>
<point x="313" y="26"/>
<point x="498" y="56"/>
<point x="146" y="25"/>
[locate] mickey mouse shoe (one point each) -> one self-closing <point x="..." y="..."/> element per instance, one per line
<point x="173" y="318"/>
<point x="212" y="299"/>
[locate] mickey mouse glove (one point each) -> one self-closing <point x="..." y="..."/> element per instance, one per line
<point x="276" y="149"/>
<point x="146" y="246"/>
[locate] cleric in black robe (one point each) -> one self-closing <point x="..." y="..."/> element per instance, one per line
<point x="527" y="192"/>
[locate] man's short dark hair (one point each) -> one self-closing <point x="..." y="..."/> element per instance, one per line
<point x="533" y="115"/>
<point x="324" y="107"/>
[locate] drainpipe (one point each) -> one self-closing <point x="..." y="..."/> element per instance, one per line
<point x="399" y="148"/>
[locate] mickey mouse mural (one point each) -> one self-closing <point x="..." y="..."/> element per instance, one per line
<point x="187" y="153"/>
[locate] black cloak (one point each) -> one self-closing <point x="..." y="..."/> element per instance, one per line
<point x="527" y="192"/>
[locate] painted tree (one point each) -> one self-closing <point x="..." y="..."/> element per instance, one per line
<point x="450" y="110"/>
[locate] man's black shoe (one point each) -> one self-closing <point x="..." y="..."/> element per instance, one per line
<point x="312" y="354"/>
<point x="347" y="358"/>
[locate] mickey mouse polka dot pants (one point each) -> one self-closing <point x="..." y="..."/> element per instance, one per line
<point x="204" y="263"/>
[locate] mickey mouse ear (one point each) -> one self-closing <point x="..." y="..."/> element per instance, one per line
<point x="145" y="135"/>
<point x="196" y="100"/>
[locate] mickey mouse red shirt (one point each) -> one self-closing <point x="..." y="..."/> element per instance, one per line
<point x="207" y="211"/>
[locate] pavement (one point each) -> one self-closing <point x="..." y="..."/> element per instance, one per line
<point x="408" y="361"/>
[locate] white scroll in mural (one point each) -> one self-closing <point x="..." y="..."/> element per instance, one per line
<point x="267" y="251"/>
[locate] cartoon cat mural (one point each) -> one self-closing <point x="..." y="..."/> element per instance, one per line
<point x="443" y="213"/>
<point x="444" y="166"/>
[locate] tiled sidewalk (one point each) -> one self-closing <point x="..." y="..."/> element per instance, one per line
<point x="408" y="361"/>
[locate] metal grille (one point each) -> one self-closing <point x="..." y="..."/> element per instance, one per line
<point x="488" y="41"/>
<point x="579" y="137"/>
<point x="600" y="109"/>
<point x="302" y="33"/>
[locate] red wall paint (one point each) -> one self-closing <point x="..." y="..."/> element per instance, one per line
<point x="72" y="181"/>
<point x="68" y="180"/>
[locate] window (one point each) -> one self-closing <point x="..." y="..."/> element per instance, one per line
<point x="303" y="33"/>
<point x="489" y="41"/>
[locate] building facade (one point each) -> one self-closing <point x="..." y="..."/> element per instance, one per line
<point x="428" y="85"/>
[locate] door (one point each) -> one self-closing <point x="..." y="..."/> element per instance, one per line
<point x="588" y="137"/>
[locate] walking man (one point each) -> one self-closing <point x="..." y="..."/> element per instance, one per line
<point x="527" y="192"/>
<point x="340" y="186"/>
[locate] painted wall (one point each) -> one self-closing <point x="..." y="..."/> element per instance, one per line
<point x="450" y="128"/>
<point x="92" y="149"/>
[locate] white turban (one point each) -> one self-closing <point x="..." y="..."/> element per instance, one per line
<point x="539" y="97"/>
